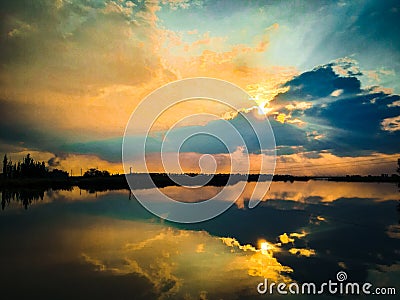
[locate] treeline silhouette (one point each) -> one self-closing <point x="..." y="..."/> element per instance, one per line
<point x="29" y="168"/>
<point x="94" y="172"/>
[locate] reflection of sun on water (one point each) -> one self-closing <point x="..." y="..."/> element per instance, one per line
<point x="264" y="246"/>
<point x="180" y="262"/>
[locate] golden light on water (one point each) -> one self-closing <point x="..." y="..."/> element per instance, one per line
<point x="264" y="246"/>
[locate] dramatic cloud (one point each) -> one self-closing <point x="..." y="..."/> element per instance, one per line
<point x="351" y="122"/>
<point x="73" y="72"/>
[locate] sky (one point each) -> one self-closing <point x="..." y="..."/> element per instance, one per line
<point x="325" y="74"/>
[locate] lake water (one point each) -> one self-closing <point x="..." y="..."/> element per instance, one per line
<point x="104" y="245"/>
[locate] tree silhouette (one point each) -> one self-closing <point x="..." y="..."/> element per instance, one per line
<point x="94" y="172"/>
<point x="29" y="168"/>
<point x="5" y="160"/>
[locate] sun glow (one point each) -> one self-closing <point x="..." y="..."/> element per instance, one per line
<point x="265" y="247"/>
<point x="263" y="93"/>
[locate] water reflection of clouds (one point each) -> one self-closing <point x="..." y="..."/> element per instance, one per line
<point x="302" y="251"/>
<point x="300" y="191"/>
<point x="393" y="231"/>
<point x="328" y="191"/>
<point x="187" y="263"/>
<point x="385" y="275"/>
<point x="179" y="263"/>
<point x="357" y="234"/>
<point x="77" y="194"/>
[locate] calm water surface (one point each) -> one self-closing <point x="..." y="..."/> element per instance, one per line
<point x="103" y="245"/>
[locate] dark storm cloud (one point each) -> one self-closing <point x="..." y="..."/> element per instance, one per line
<point x="109" y="149"/>
<point x="216" y="140"/>
<point x="320" y="82"/>
<point x="19" y="128"/>
<point x="348" y="124"/>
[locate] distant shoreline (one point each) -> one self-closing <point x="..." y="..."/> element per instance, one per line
<point x="162" y="180"/>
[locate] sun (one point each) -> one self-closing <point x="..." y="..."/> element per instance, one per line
<point x="264" y="246"/>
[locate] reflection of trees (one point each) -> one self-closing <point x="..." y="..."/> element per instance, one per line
<point x="24" y="196"/>
<point x="28" y="196"/>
